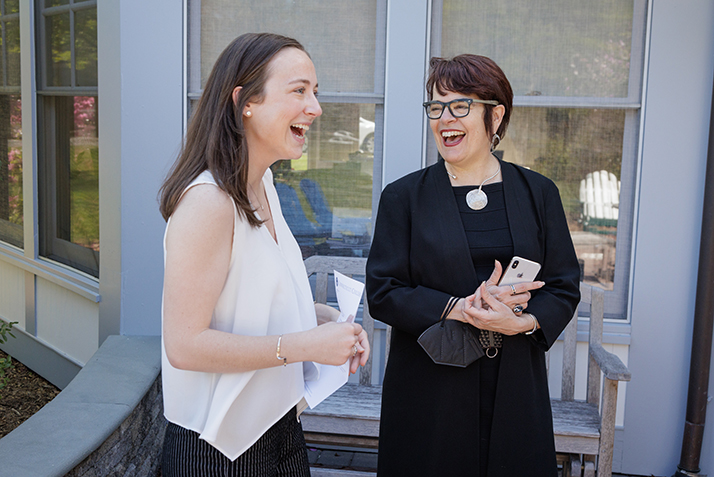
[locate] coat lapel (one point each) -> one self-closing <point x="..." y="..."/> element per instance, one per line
<point x="461" y="274"/>
<point x="520" y="221"/>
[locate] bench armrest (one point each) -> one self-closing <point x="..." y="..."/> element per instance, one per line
<point x="611" y="366"/>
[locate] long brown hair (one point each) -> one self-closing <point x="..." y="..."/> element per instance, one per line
<point x="473" y="74"/>
<point x="215" y="139"/>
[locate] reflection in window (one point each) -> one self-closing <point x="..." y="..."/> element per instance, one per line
<point x="11" y="200"/>
<point x="11" y="218"/>
<point x="547" y="48"/>
<point x="342" y="48"/>
<point x="85" y="47"/>
<point x="326" y="195"/>
<point x="70" y="196"/>
<point x="59" y="54"/>
<point x="80" y="224"/>
<point x="581" y="151"/>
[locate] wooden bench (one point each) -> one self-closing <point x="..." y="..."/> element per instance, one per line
<point x="584" y="430"/>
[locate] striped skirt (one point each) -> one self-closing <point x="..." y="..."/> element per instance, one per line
<point x="281" y="451"/>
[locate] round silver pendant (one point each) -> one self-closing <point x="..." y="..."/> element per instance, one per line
<point x="476" y="199"/>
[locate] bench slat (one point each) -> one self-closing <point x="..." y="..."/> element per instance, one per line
<point x="351" y="401"/>
<point x="354" y="411"/>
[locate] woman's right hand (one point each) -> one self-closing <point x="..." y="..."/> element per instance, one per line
<point x="335" y="343"/>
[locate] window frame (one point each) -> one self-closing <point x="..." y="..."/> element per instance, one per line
<point x="50" y="154"/>
<point x="376" y="97"/>
<point x="27" y="257"/>
<point x="616" y="300"/>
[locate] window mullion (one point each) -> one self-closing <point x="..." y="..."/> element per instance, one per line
<point x="29" y="128"/>
<point x="42" y="53"/>
<point x="379" y="45"/>
<point x="437" y="11"/>
<point x="574" y="102"/>
<point x="634" y="88"/>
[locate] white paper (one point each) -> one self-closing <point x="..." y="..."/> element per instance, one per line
<point x="349" y="294"/>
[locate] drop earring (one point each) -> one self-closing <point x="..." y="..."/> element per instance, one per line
<point x="495" y="141"/>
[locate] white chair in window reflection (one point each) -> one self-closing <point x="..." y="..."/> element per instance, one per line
<point x="600" y="196"/>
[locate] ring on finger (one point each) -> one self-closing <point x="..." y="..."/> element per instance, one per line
<point x="517" y="308"/>
<point x="354" y="350"/>
<point x="513" y="290"/>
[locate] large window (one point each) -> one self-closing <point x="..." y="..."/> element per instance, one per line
<point x="11" y="213"/>
<point x="68" y="157"/>
<point x="327" y="195"/>
<point x="576" y="71"/>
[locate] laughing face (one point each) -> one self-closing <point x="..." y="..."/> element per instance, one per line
<point x="276" y="126"/>
<point x="463" y="142"/>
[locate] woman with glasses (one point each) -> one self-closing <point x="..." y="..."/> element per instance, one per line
<point x="442" y="237"/>
<point x="240" y="332"/>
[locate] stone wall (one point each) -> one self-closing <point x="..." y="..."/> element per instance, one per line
<point x="134" y="449"/>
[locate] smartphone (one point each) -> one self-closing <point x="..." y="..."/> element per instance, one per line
<point x="519" y="270"/>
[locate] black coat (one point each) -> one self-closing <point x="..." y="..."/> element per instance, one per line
<point x="419" y="258"/>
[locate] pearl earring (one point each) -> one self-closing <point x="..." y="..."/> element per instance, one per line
<point x="248" y="114"/>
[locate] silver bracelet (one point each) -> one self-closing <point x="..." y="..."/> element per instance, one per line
<point x="535" y="324"/>
<point x="277" y="352"/>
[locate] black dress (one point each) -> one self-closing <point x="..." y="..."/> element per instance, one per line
<point x="489" y="239"/>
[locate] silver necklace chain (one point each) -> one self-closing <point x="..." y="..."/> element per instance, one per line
<point x="453" y="176"/>
<point x="476" y="199"/>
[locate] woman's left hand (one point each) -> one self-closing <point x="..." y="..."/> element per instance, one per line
<point x="486" y="312"/>
<point x="325" y="313"/>
<point x="511" y="295"/>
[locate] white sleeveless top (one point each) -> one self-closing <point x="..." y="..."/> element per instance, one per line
<point x="266" y="293"/>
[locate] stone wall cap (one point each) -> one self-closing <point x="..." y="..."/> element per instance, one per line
<point x="79" y="419"/>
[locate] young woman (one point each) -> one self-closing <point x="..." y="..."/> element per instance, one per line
<point x="240" y="332"/>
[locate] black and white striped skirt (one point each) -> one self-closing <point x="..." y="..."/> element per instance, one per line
<point x="281" y="451"/>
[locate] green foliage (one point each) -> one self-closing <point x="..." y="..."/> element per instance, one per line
<point x="5" y="330"/>
<point x="84" y="195"/>
<point x="344" y="185"/>
<point x="5" y="363"/>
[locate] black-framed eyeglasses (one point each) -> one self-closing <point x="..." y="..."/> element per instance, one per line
<point x="459" y="108"/>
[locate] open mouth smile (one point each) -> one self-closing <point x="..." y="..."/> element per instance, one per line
<point x="452" y="137"/>
<point x="299" y="131"/>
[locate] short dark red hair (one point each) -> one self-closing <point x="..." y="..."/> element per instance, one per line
<point x="472" y="75"/>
